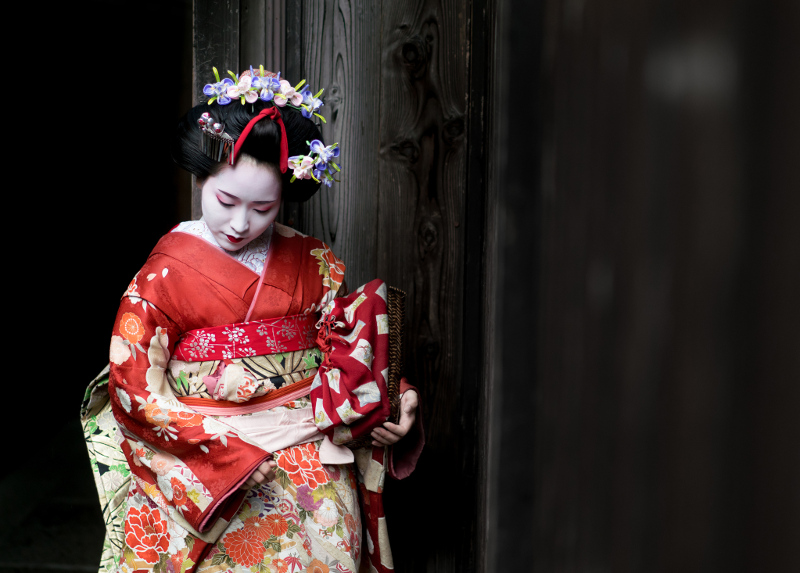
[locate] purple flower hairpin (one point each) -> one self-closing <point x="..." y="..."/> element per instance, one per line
<point x="319" y="165"/>
<point x="255" y="84"/>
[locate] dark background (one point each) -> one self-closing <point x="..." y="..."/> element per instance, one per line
<point x="95" y="188"/>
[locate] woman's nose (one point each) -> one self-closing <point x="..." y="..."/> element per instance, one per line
<point x="239" y="221"/>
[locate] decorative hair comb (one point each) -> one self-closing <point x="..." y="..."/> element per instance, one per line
<point x="250" y="86"/>
<point x="215" y="143"/>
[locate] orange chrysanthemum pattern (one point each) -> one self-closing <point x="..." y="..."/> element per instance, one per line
<point x="259" y="526"/>
<point x="244" y="547"/>
<point x="185" y="419"/>
<point x="276" y="524"/>
<point x="131" y="327"/>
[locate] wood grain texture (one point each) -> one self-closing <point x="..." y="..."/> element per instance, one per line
<point x="341" y="52"/>
<point x="254" y="35"/>
<point x="396" y="78"/>
<point x="216" y="44"/>
<point x="424" y="83"/>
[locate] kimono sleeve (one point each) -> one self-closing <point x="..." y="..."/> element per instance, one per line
<point x="349" y="394"/>
<point x="187" y="462"/>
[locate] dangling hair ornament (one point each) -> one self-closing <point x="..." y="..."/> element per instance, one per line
<point x="250" y="86"/>
<point x="215" y="143"/>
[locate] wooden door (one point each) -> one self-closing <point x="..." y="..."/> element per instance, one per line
<point x="404" y="98"/>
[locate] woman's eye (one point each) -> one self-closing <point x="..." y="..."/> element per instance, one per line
<point x="224" y="204"/>
<point x="262" y="211"/>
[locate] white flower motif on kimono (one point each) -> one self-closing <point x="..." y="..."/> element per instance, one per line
<point x="177" y="537"/>
<point x="106" y="421"/>
<point x="113" y="480"/>
<point x="124" y="399"/>
<point x="321" y="418"/>
<point x="158" y="355"/>
<point x="356" y="331"/>
<point x="133" y="288"/>
<point x="347" y="414"/>
<point x="382" y="321"/>
<point x="348" y="312"/>
<point x="381" y="292"/>
<point x="236" y="335"/>
<point x="363" y="353"/>
<point x="119" y="352"/>
<point x="327" y="514"/>
<point x="288" y="330"/>
<point x="368" y="394"/>
<point x="218" y="430"/>
<point x="317" y="382"/>
<point x="199" y="346"/>
<point x="334" y="376"/>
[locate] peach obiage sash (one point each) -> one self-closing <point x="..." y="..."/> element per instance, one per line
<point x="275" y="431"/>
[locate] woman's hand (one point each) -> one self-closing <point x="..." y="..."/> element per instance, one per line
<point x="391" y="433"/>
<point x="263" y="474"/>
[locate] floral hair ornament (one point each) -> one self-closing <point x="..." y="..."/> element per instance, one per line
<point x="319" y="165"/>
<point x="254" y="84"/>
<point x="250" y="86"/>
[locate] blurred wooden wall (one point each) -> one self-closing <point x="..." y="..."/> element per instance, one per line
<point x="648" y="199"/>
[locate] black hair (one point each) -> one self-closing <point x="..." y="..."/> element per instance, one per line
<point x="262" y="143"/>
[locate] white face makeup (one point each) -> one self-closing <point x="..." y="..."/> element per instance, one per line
<point x="240" y="202"/>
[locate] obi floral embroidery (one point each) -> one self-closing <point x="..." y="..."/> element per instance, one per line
<point x="267" y="336"/>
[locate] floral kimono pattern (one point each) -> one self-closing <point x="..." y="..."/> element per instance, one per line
<point x="175" y="472"/>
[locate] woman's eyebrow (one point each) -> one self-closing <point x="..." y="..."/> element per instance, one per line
<point x="235" y="197"/>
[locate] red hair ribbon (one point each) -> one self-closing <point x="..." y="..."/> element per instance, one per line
<point x="275" y="115"/>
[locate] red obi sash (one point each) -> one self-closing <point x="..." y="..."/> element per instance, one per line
<point x="254" y="338"/>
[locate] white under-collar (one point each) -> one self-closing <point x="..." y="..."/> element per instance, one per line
<point x="252" y="255"/>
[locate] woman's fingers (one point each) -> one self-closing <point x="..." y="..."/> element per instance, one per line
<point x="384" y="437"/>
<point x="261" y="475"/>
<point x="391" y="433"/>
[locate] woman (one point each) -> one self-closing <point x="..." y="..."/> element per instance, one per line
<point x="239" y="367"/>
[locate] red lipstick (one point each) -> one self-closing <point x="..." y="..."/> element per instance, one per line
<point x="234" y="239"/>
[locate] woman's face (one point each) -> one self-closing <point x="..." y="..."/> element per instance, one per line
<point x="241" y="202"/>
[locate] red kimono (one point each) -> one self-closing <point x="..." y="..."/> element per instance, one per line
<point x="185" y="509"/>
